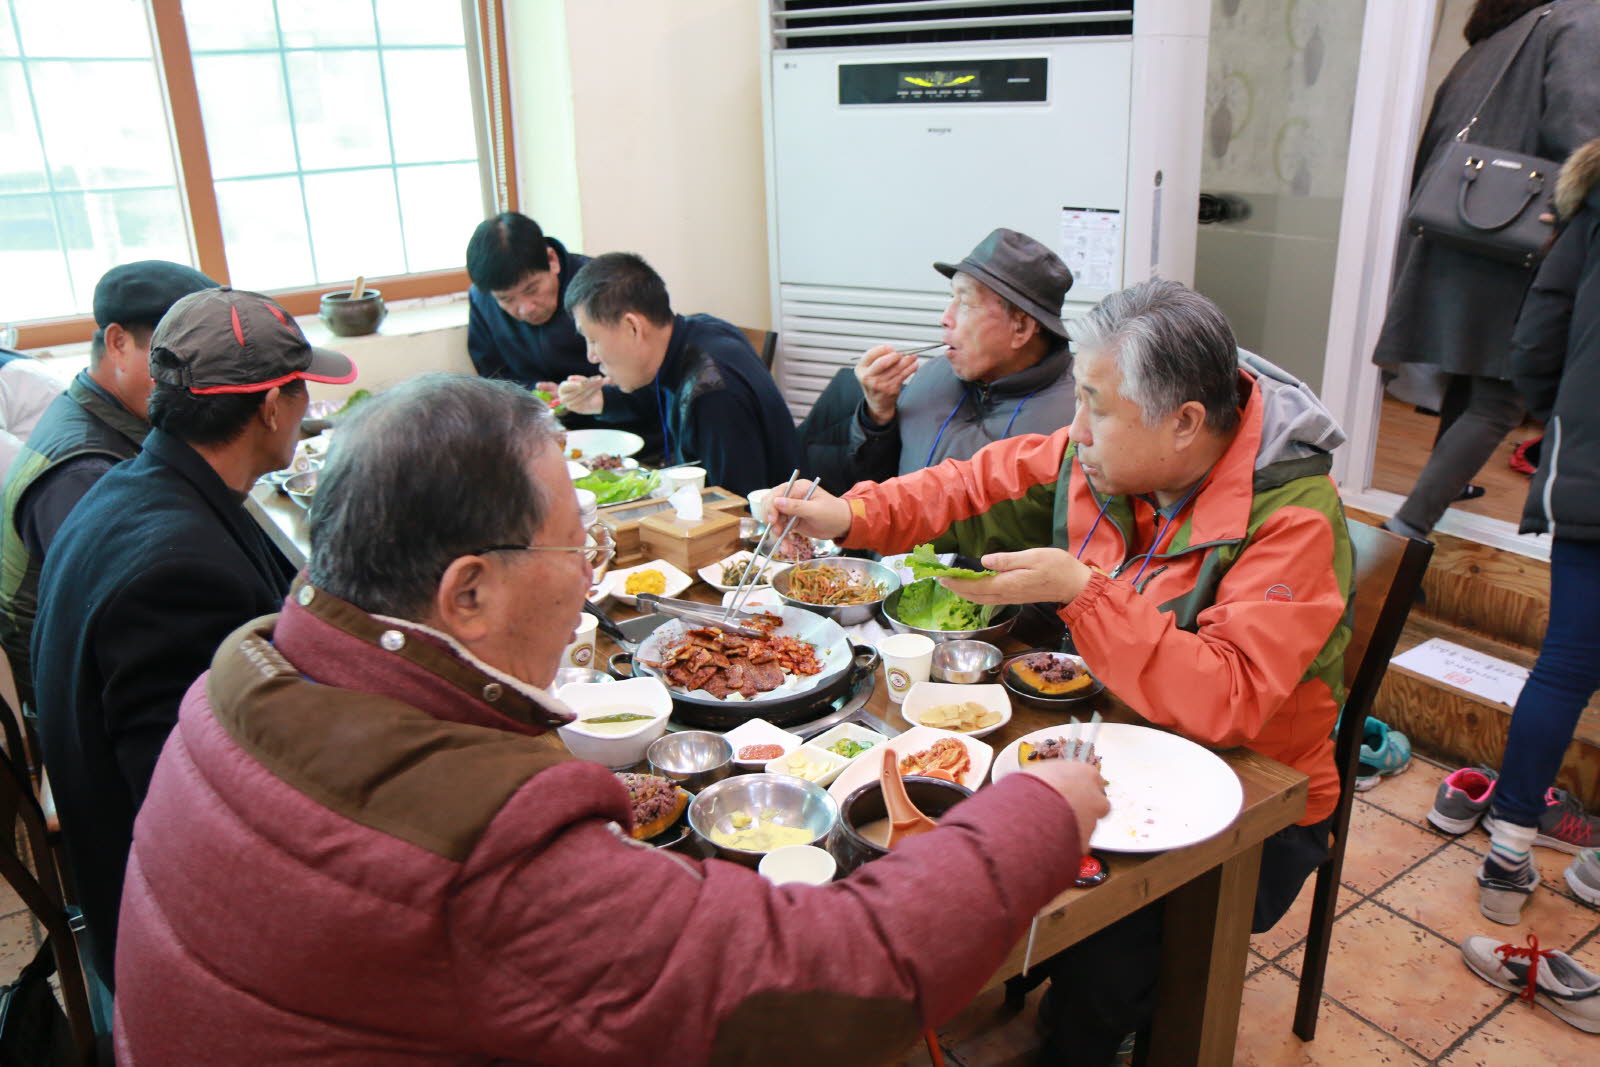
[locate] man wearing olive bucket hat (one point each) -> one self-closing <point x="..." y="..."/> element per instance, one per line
<point x="1005" y="371"/>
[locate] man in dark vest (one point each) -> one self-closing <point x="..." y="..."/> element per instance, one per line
<point x="99" y="421"/>
<point x="157" y="564"/>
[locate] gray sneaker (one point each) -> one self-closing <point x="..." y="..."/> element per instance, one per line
<point x="1462" y="799"/>
<point x="1571" y="993"/>
<point x="1501" y="898"/>
<point x="1583" y="875"/>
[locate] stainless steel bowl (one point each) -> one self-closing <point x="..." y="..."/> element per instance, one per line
<point x="998" y="626"/>
<point x="774" y="798"/>
<point x="843" y="614"/>
<point x="966" y="662"/>
<point x="694" y="759"/>
<point x="302" y="488"/>
<point x="569" y="675"/>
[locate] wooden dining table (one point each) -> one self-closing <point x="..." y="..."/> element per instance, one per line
<point x="1209" y="887"/>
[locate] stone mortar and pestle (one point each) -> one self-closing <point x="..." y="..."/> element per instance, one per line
<point x="353" y="312"/>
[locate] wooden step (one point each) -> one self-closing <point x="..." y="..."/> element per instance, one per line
<point x="1460" y="729"/>
<point x="1498" y="594"/>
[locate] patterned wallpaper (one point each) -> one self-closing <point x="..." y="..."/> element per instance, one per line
<point x="1279" y="88"/>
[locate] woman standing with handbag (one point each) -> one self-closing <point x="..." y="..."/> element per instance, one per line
<point x="1529" y="84"/>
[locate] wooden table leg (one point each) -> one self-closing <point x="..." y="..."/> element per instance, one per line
<point x="1205" y="945"/>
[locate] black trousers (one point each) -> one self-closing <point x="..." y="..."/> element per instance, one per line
<point x="1104" y="987"/>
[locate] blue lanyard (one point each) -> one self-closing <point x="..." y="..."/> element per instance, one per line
<point x="1161" y="531"/>
<point x="666" y="431"/>
<point x="940" y="435"/>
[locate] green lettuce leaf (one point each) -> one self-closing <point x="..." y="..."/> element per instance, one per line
<point x="613" y="487"/>
<point x="927" y="605"/>
<point x="925" y="564"/>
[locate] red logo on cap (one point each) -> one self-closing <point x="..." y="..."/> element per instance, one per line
<point x="238" y="327"/>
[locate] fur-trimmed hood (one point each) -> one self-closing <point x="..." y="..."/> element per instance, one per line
<point x="1579" y="176"/>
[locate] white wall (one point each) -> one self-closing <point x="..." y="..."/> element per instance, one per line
<point x="664" y="154"/>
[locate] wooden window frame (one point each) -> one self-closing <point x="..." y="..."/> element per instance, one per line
<point x="175" y="65"/>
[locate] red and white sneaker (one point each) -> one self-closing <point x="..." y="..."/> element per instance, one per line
<point x="1564" y="824"/>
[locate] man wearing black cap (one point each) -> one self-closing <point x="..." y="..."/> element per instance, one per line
<point x="97" y="422"/>
<point x="1005" y="371"/>
<point x="157" y="564"/>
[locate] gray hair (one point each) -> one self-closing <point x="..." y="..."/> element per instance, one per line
<point x="1172" y="345"/>
<point x="431" y="470"/>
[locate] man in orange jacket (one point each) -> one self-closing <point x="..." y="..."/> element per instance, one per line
<point x="1196" y="550"/>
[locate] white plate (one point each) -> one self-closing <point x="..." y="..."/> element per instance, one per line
<point x="602" y="443"/>
<point x="1165" y="791"/>
<point x="834" y="761"/>
<point x="759" y="732"/>
<point x="576" y="469"/>
<point x="615" y="581"/>
<point x="915" y="739"/>
<point x="925" y="695"/>
<point x="712" y="574"/>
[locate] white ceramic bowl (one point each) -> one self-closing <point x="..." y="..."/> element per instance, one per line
<point x="925" y="695"/>
<point x="759" y="732"/>
<point x="831" y="764"/>
<point x="849" y="731"/>
<point x="616" y="751"/>
<point x="616" y="581"/>
<point x="914" y="740"/>
<point x="712" y="573"/>
<point x="602" y="443"/>
<point x="798" y="864"/>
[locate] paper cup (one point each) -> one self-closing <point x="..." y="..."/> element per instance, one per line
<point x="581" y="652"/>
<point x="907" y="659"/>
<point x="675" y="478"/>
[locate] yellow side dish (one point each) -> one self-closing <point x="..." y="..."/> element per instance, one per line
<point x="651" y="581"/>
<point x="763" y="838"/>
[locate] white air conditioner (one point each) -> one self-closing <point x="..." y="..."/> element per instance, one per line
<point x="899" y="132"/>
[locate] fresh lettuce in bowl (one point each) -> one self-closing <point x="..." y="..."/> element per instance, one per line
<point x="927" y="605"/>
<point x="617" y="487"/>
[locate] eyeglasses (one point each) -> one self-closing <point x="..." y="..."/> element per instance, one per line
<point x="598" y="550"/>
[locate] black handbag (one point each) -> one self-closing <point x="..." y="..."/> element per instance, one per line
<point x="33" y="1029"/>
<point x="1486" y="200"/>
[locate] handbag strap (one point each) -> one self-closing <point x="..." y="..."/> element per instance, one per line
<point x="1510" y="59"/>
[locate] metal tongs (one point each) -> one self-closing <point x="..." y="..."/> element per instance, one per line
<point x="752" y="575"/>
<point x="698" y="614"/>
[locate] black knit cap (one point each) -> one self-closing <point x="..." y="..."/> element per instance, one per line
<point x="142" y="292"/>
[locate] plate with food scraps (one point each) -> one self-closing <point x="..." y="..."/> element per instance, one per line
<point x="922" y="749"/>
<point x="616" y="583"/>
<point x="716" y="575"/>
<point x="1165" y="791"/>
<point x="974" y="710"/>
<point x="583" y="443"/>
<point x="757" y="741"/>
<point x="604" y="461"/>
<point x="1050" y="680"/>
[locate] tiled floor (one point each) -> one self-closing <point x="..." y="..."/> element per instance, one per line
<point x="1396" y="989"/>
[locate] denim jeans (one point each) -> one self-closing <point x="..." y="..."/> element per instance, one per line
<point x="1564" y="678"/>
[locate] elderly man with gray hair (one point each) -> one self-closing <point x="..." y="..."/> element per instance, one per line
<point x="365" y="843"/>
<point x="1187" y="529"/>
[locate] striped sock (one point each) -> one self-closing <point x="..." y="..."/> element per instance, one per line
<point x="1510" y="848"/>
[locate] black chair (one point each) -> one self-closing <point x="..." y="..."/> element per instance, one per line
<point x="1388" y="573"/>
<point x="27" y="863"/>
